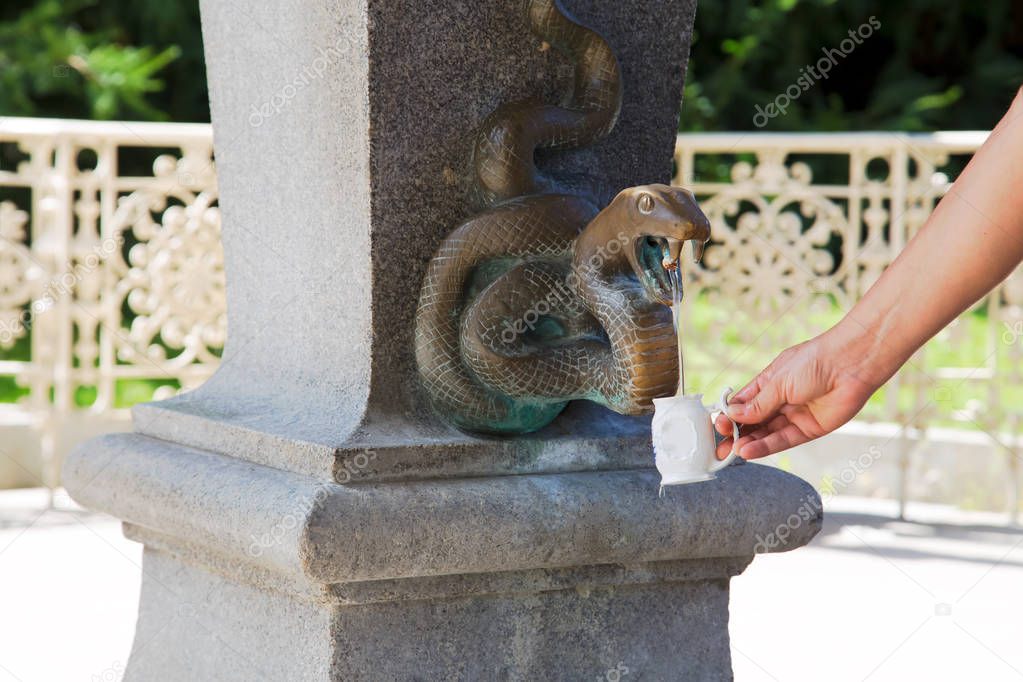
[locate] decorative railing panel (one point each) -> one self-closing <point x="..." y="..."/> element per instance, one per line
<point x="803" y="225"/>
<point x="111" y="271"/>
<point x="112" y="285"/>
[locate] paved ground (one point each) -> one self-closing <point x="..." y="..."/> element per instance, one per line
<point x="872" y="598"/>
<point x="68" y="592"/>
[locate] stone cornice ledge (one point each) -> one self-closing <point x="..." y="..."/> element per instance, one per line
<point x="328" y="533"/>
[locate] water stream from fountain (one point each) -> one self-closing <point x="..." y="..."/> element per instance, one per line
<point x="675" y="277"/>
<point x="674" y="272"/>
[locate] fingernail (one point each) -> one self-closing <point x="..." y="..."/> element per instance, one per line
<point x="737" y="410"/>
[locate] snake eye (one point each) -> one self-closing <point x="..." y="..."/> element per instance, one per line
<point x="645" y="204"/>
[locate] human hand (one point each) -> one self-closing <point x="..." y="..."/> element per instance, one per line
<point x="972" y="241"/>
<point x="808" y="391"/>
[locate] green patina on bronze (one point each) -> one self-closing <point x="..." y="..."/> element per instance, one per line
<point x="542" y="298"/>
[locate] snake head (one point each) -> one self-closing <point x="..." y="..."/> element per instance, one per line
<point x="660" y="219"/>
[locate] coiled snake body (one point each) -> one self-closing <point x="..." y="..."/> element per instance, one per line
<point x="543" y="298"/>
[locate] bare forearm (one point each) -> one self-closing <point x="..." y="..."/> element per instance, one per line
<point x="971" y="242"/>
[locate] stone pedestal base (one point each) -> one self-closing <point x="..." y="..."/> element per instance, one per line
<point x="305" y="515"/>
<point x="252" y="572"/>
<point x="655" y="621"/>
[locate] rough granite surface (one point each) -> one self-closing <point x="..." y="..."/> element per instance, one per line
<point x="252" y="572"/>
<point x="194" y="625"/>
<point x="342" y="135"/>
<point x="272" y="551"/>
<point x="330" y="533"/>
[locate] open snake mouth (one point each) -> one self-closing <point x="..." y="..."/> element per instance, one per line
<point x="657" y="257"/>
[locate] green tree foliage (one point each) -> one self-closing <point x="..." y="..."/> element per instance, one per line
<point x="932" y="64"/>
<point x="102" y="59"/>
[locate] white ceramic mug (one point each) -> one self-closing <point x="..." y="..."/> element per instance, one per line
<point x="683" y="436"/>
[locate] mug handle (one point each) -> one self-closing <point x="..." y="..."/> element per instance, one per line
<point x="722" y="407"/>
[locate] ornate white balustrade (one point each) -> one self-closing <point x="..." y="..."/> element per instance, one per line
<point x="111" y="274"/>
<point x="791" y="251"/>
<point x="803" y="224"/>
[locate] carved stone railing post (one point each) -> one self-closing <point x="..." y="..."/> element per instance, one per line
<point x="305" y="513"/>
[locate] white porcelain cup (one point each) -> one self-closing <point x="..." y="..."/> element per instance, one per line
<point x="683" y="436"/>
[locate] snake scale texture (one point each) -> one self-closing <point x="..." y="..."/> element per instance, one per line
<point x="542" y="297"/>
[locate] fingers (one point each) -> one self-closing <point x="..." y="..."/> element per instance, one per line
<point x="761" y="403"/>
<point x="723" y="425"/>
<point x="756" y="433"/>
<point x="744" y="394"/>
<point x="774" y="441"/>
<point x="725" y="446"/>
<point x="751" y="433"/>
<point x="747" y="433"/>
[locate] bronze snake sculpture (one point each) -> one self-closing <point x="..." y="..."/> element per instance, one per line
<point x="543" y="298"/>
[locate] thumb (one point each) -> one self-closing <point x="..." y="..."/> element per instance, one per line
<point x="761" y="406"/>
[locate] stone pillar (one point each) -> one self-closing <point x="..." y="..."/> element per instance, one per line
<point x="304" y="514"/>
